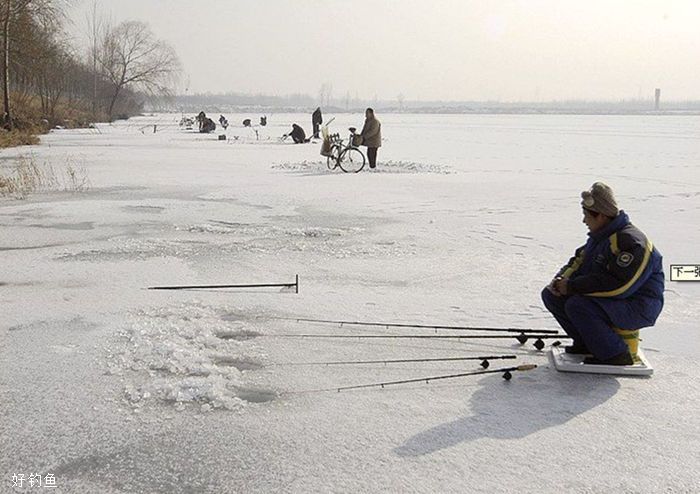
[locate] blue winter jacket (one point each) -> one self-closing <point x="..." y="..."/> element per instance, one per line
<point x="622" y="271"/>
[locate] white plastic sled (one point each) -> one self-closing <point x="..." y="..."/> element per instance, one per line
<point x="565" y="362"/>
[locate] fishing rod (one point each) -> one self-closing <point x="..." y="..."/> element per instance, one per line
<point x="484" y="361"/>
<point x="507" y="375"/>
<point x="522" y="338"/>
<point x="258" y="285"/>
<point x="421" y="326"/>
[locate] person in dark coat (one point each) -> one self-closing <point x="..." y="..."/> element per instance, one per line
<point x="316" y="121"/>
<point x="297" y="134"/>
<point x="207" y="126"/>
<point x="614" y="282"/>
<point x="201" y="117"/>
<point x="371" y="136"/>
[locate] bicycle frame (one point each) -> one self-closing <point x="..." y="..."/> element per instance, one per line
<point x="339" y="150"/>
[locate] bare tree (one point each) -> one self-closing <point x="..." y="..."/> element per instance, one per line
<point x="54" y="72"/>
<point x="9" y="13"/>
<point x="13" y="12"/>
<point x="131" y="56"/>
<point x="96" y="24"/>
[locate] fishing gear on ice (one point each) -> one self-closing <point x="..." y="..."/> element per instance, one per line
<point x="507" y="375"/>
<point x="421" y="326"/>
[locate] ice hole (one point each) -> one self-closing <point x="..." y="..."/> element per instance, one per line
<point x="238" y="335"/>
<point x="255" y="395"/>
<point x="239" y="363"/>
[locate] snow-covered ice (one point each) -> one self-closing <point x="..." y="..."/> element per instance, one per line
<point x="115" y="388"/>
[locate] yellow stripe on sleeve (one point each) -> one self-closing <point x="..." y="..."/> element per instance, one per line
<point x="613" y="244"/>
<point x="575" y="265"/>
<point x="637" y="274"/>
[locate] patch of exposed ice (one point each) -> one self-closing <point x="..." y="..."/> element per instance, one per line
<point x="318" y="232"/>
<point x="383" y="167"/>
<point x="74" y="324"/>
<point x="208" y="393"/>
<point x="137" y="249"/>
<point x="176" y="355"/>
<point x="143" y="209"/>
<point x="290" y="241"/>
<point x="222" y="227"/>
<point x="410" y="167"/>
<point x="302" y="166"/>
<point x="334" y="242"/>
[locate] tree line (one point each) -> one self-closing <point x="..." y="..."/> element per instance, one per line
<point x="47" y="80"/>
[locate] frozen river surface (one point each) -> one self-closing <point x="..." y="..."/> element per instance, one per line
<point x="110" y="387"/>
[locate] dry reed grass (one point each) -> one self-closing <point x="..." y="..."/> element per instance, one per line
<point x="28" y="176"/>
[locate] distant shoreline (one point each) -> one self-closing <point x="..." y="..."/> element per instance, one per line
<point x="214" y="108"/>
<point x="235" y="102"/>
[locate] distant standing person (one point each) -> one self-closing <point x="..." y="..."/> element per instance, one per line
<point x="316" y="121"/>
<point x="200" y="118"/>
<point x="371" y="136"/>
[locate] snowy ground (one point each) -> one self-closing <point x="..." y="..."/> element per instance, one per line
<point x="114" y="388"/>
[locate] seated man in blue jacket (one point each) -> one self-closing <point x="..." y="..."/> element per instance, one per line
<point x="615" y="280"/>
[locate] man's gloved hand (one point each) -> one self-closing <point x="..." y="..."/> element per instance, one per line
<point x="562" y="286"/>
<point x="559" y="286"/>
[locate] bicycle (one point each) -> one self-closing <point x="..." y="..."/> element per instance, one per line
<point x="348" y="157"/>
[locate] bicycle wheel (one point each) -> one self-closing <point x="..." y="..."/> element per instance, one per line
<point x="332" y="159"/>
<point x="352" y="160"/>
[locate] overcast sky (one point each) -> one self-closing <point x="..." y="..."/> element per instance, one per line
<point x="508" y="50"/>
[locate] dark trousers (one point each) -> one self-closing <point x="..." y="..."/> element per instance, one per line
<point x="372" y="157"/>
<point x="316" y="127"/>
<point x="586" y="322"/>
